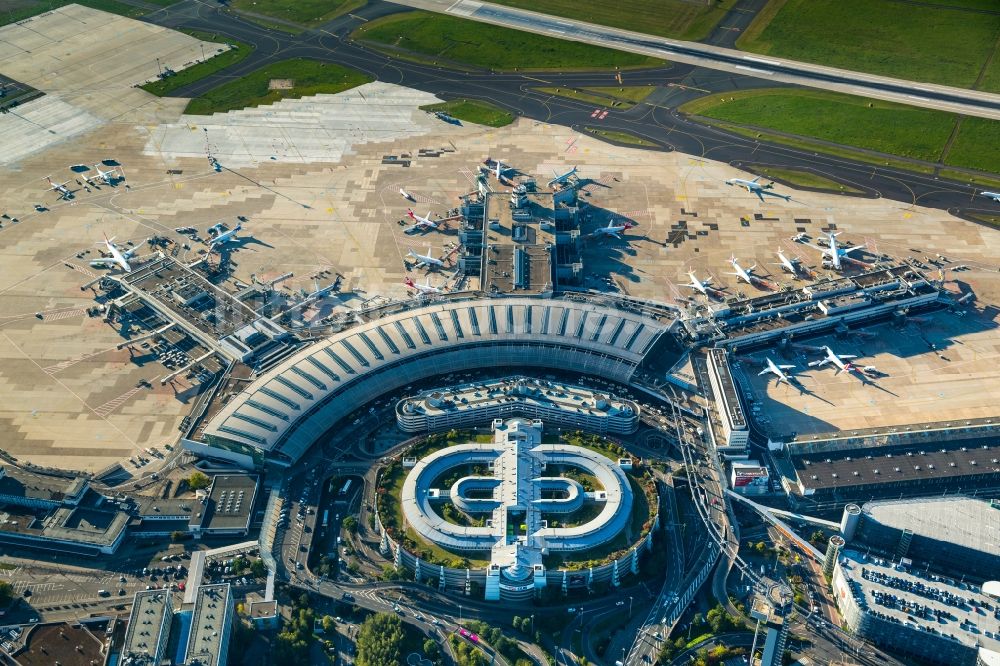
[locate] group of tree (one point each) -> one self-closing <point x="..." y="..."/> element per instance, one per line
<point x="494" y="636"/>
<point x="465" y="653"/>
<point x="380" y="641"/>
<point x="255" y="567"/>
<point x="292" y="645"/>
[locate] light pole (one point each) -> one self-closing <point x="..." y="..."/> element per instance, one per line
<point x="630" y="606"/>
<point x="460" y="613"/>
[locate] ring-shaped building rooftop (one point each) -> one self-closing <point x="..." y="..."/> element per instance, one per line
<point x="284" y="411"/>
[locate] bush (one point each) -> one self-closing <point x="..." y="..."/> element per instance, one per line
<point x="198" y="481"/>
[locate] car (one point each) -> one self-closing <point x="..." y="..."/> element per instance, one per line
<point x="26" y="593"/>
<point x="468" y="635"/>
<point x="619" y="603"/>
<point x="149" y="587"/>
<point x="347" y="596"/>
<point x="121" y="592"/>
<point x="121" y="579"/>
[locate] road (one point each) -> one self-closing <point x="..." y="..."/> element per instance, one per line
<point x="656" y="120"/>
<point x="944" y="98"/>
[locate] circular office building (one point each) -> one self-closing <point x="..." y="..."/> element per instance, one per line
<point x="513" y="502"/>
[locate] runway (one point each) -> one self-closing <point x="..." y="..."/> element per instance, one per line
<point x="656" y="119"/>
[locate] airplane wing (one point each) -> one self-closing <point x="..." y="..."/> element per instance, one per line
<point x="843" y="356"/>
<point x="852" y="248"/>
<point x="786" y="367"/>
<point x="764" y="371"/>
<point x="818" y="364"/>
<point x="758" y="193"/>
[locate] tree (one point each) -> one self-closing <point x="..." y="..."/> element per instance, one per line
<point x="380" y="641"/>
<point x="817" y="538"/>
<point x="198" y="481"/>
<point x="178" y="535"/>
<point x="430" y="649"/>
<point x="350" y="524"/>
<point x="761" y="547"/>
<point x="6" y="593"/>
<point x="258" y="568"/>
<point x="328" y="624"/>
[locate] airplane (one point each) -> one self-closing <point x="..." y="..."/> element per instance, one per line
<point x="744" y="274"/>
<point x="754" y="187"/>
<point x="64" y="192"/>
<point x="117" y="258"/>
<point x="776" y="370"/>
<point x="790" y="265"/>
<point x="422" y="289"/>
<point x="992" y="195"/>
<point x="835" y="359"/>
<point x="419" y="223"/>
<point x="224" y="237"/>
<point x="498" y="168"/>
<point x="833" y="253"/>
<point x="406" y="195"/>
<point x="425" y="260"/>
<point x="109" y="177"/>
<point x="698" y="285"/>
<point x="561" y="178"/>
<point x="612" y="229"/>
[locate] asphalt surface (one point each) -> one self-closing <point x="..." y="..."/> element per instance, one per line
<point x="656" y="120"/>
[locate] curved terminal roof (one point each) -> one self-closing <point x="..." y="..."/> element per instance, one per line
<point x="284" y="411"/>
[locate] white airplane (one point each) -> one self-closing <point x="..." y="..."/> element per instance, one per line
<point x="406" y="195"/>
<point x="64" y="192"/>
<point x="561" y="178"/>
<point x="419" y="223"/>
<point x="425" y="260"/>
<point x="116" y="258"/>
<point x="790" y="265"/>
<point x="424" y="288"/>
<point x="498" y="168"/>
<point x="109" y="177"/>
<point x="754" y="187"/>
<point x="698" y="285"/>
<point x="745" y="274"/>
<point x="835" y="359"/>
<point x="225" y="237"/>
<point x="614" y="230"/>
<point x="992" y="195"/>
<point x="776" y="370"/>
<point x="834" y="253"/>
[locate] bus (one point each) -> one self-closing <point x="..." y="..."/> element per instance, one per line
<point x="326" y="518"/>
<point x="347" y="486"/>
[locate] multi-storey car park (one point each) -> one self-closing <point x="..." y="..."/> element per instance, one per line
<point x="915" y="612"/>
<point x="555" y="402"/>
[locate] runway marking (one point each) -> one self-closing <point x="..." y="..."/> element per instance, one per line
<point x="109" y="407"/>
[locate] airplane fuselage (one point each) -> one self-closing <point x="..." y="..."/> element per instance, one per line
<point x="992" y="195"/>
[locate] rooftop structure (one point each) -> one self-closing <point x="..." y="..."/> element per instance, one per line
<point x="228" y="509"/>
<point x="211" y="627"/>
<point x="288" y="408"/>
<point x="556" y="402"/>
<point x="915" y="612"/>
<point x="517" y="496"/>
<point x="958" y="535"/>
<point x="27" y="489"/>
<point x="814" y="308"/>
<point x="727" y="420"/>
<point x="79" y="530"/>
<point x="522" y="240"/>
<point x="891" y="470"/>
<point x="148" y="629"/>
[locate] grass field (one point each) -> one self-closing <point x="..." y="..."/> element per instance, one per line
<point x="202" y="69"/>
<point x="432" y="37"/>
<point x="800" y="178"/>
<point x="12" y="11"/>
<point x="621" y="98"/>
<point x="473" y="111"/>
<point x="976" y="146"/>
<point x="621" y="137"/>
<point x="860" y="122"/>
<point x="854" y="121"/>
<point x="680" y="19"/>
<point x="917" y="41"/>
<point x="310" y="77"/>
<point x="309" y="13"/>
